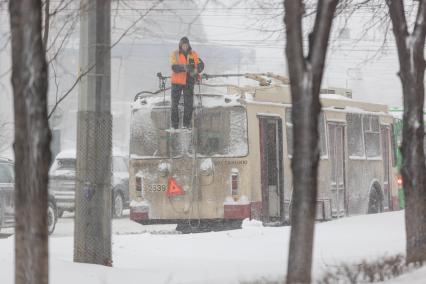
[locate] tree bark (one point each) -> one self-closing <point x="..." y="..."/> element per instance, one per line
<point x="305" y="80"/>
<point x="410" y="48"/>
<point x="46" y="23"/>
<point x="32" y="140"/>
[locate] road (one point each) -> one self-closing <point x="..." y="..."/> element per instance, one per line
<point x="121" y="226"/>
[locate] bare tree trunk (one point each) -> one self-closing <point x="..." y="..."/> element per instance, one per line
<point x="412" y="66"/>
<point x="305" y="79"/>
<point x="32" y="139"/>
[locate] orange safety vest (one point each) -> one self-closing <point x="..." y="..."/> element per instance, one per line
<point x="179" y="78"/>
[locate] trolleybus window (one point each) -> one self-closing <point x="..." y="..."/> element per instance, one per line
<point x="289" y="131"/>
<point x="210" y="138"/>
<point x="355" y="137"/>
<point x="323" y="140"/>
<point x="6" y="173"/>
<point x="372" y="136"/>
<point x="222" y="132"/>
<point x="395" y="141"/>
<point x="321" y="130"/>
<point x="363" y="136"/>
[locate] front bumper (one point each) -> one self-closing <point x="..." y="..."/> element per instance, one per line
<point x="139" y="211"/>
<point x="65" y="199"/>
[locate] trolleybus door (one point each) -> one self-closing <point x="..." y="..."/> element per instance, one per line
<point x="384" y="132"/>
<point x="271" y="145"/>
<point x="337" y="160"/>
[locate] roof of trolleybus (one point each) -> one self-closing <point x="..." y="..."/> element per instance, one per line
<point x="337" y="101"/>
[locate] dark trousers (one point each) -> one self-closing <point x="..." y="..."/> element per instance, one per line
<point x="188" y="101"/>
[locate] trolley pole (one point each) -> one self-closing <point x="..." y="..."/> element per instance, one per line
<point x="92" y="225"/>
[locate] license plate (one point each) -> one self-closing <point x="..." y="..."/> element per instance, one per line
<point x="156" y="187"/>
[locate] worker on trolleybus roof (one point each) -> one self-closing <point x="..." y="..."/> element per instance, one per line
<point x="186" y="66"/>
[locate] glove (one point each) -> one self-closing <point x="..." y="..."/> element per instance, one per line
<point x="193" y="73"/>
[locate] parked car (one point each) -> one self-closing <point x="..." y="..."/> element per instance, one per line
<point x="7" y="210"/>
<point x="62" y="182"/>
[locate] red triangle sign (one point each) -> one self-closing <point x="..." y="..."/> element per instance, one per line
<point x="173" y="188"/>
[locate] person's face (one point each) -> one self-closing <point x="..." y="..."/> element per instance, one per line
<point x="185" y="47"/>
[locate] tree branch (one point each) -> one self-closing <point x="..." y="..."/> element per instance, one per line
<point x="70" y="90"/>
<point x="135" y="23"/>
<point x="63" y="97"/>
<point x="63" y="40"/>
<point x="61" y="7"/>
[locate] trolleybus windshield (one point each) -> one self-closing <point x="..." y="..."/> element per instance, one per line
<point x="222" y="132"/>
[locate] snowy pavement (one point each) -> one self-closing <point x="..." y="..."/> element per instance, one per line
<point x="143" y="254"/>
<point x="121" y="226"/>
<point x="415" y="277"/>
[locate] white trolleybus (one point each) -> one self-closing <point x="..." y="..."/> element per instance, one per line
<point x="235" y="162"/>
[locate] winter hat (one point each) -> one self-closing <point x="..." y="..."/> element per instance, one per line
<point x="184" y="40"/>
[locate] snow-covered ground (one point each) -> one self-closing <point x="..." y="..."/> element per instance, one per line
<point x="147" y="254"/>
<point x="415" y="277"/>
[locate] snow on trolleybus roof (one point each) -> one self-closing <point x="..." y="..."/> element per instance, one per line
<point x="210" y="97"/>
<point x="332" y="99"/>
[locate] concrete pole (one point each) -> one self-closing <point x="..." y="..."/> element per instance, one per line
<point x="92" y="234"/>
